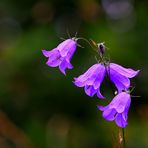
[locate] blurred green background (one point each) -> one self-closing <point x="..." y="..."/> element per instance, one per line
<point x="39" y="106"/>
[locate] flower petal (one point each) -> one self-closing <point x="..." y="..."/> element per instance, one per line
<point x="64" y="64"/>
<point x="127" y="72"/>
<point x="102" y="108"/>
<point x="100" y="76"/>
<point x="48" y="53"/>
<point x="120" y="81"/>
<point x="89" y="90"/>
<point x="92" y="80"/>
<point x="96" y="77"/>
<point x="120" y="121"/>
<point x="72" y="48"/>
<point x="125" y="113"/>
<point x="120" y="102"/>
<point x="101" y="73"/>
<point x="63" y="44"/>
<point x="54" y="59"/>
<point x="109" y="114"/>
<point x="99" y="95"/>
<point x="66" y="46"/>
<point x="80" y="81"/>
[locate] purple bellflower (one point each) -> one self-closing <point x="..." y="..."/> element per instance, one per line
<point x="117" y="109"/>
<point x="61" y="55"/>
<point x="91" y="80"/>
<point x="120" y="76"/>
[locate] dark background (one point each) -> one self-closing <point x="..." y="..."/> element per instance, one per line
<point x="39" y="106"/>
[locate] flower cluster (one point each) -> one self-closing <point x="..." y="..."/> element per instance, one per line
<point x="92" y="79"/>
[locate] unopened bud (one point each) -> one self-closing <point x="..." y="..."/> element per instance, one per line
<point x="101" y="48"/>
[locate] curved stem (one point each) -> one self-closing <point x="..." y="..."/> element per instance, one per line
<point x="81" y="38"/>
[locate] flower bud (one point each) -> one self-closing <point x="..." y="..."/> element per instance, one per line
<point x="101" y="48"/>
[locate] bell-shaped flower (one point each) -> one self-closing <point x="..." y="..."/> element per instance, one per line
<point x="94" y="76"/>
<point x="117" y="109"/>
<point x="120" y="76"/>
<point x="61" y="55"/>
<point x="91" y="80"/>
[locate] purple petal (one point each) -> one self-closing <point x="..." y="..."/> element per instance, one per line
<point x="109" y="114"/>
<point x="90" y="91"/>
<point x="81" y="80"/>
<point x="54" y="59"/>
<point x="66" y="46"/>
<point x="63" y="44"/>
<point x="78" y="83"/>
<point x="92" y="80"/>
<point x="99" y="77"/>
<point x="98" y="80"/>
<point x="102" y="108"/>
<point x="120" y="121"/>
<point x="99" y="95"/>
<point x="96" y="77"/>
<point x="64" y="64"/>
<point x="71" y="52"/>
<point x="120" y="81"/>
<point x="127" y="72"/>
<point x="48" y="53"/>
<point x="124" y="115"/>
<point x="120" y="102"/>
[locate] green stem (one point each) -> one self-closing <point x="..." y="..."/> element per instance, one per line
<point x="81" y="38"/>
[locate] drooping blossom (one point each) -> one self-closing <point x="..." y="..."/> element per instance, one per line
<point x="120" y="76"/>
<point x="117" y="109"/>
<point x="61" y="55"/>
<point x="94" y="76"/>
<point x="91" y="80"/>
